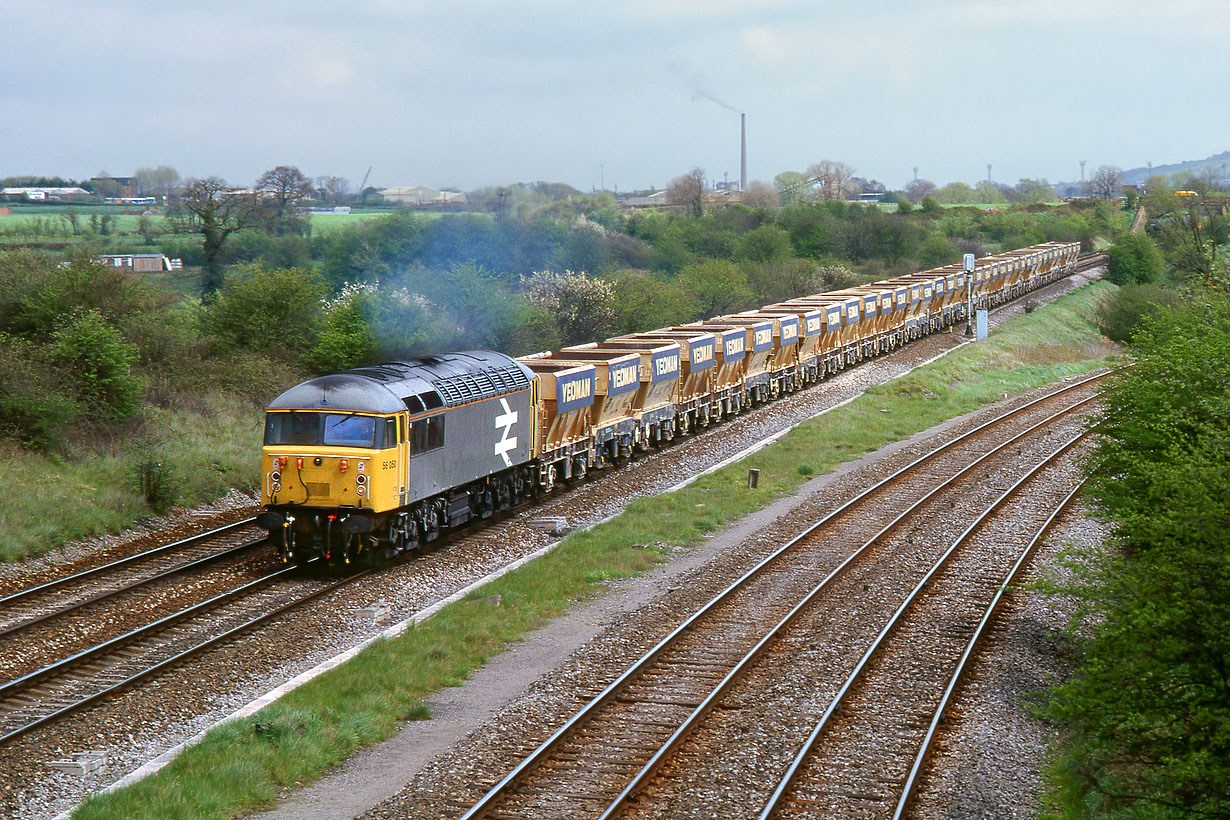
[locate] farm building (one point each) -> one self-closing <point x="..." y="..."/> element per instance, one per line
<point x="418" y="195"/>
<point x="140" y="262"/>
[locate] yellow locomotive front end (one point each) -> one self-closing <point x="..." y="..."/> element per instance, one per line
<point x="329" y="480"/>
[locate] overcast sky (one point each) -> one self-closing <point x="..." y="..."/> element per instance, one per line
<point x="466" y="93"/>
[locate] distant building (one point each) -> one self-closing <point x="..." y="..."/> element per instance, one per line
<point x="418" y="195"/>
<point x="140" y="262"/>
<point x="42" y="194"/>
<point x="655" y="200"/>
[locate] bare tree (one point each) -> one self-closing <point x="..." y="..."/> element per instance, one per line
<point x="919" y="189"/>
<point x="832" y="179"/>
<point x="220" y="210"/>
<point x="337" y="189"/>
<point x="688" y="192"/>
<point x="158" y="181"/>
<point x="283" y="187"/>
<point x="760" y="195"/>
<point x="1105" y="181"/>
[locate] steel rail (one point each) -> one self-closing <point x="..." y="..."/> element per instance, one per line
<point x="835" y="704"/>
<point x="908" y="790"/>
<point x="761" y="646"/>
<point x="487" y="802"/>
<point x="21" y="626"/>
<point x="68" y="579"/>
<point x="199" y="649"/>
<point x="7" y="688"/>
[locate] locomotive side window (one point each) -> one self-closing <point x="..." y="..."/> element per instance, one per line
<point x="426" y="435"/>
<point x="389" y="437"/>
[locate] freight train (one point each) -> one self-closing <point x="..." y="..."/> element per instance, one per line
<point x="371" y="462"/>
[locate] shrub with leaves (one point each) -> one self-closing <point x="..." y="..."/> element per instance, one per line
<point x="99" y="362"/>
<point x="1135" y="260"/>
<point x="261" y="308"/>
<point x="1120" y="312"/>
<point x="1147" y="713"/>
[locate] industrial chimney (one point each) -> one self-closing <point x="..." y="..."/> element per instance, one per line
<point x="743" y="152"/>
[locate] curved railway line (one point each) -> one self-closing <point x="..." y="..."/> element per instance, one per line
<point x="603" y="762"/>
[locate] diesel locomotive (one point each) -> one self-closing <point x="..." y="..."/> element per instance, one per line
<point x="370" y="462"/>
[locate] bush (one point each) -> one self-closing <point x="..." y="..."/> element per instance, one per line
<point x="1135" y="260"/>
<point x="262" y="309"/>
<point x="1147" y="713"/>
<point x="156" y="482"/>
<point x="345" y="341"/>
<point x="1120" y="312"/>
<point x="100" y="363"/>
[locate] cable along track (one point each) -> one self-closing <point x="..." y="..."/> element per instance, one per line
<point x="603" y="760"/>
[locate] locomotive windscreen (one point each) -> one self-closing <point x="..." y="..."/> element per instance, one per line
<point x="329" y="429"/>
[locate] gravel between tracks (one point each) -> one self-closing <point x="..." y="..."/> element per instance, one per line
<point x="154" y="718"/>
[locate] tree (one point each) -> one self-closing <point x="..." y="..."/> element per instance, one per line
<point x="1105" y="181"/>
<point x="716" y="288"/>
<point x="219" y="211"/>
<point x="956" y="193"/>
<point x="791" y="187"/>
<point x="760" y="195"/>
<point x="1147" y="713"/>
<point x="1032" y="191"/>
<point x="282" y="188"/>
<point x="583" y="307"/>
<point x="919" y="189"/>
<point x="832" y="179"/>
<point x="158" y="181"/>
<point x="988" y="191"/>
<point x="260" y="308"/>
<point x="688" y="192"/>
<point x="767" y="243"/>
<point x="1134" y="260"/>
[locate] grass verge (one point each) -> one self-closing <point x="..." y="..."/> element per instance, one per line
<point x="245" y="764"/>
<point x="207" y="451"/>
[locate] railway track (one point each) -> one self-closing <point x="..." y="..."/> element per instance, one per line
<point x="605" y="760"/>
<point x="27" y="607"/>
<point x="86" y="678"/>
<point x="865" y="753"/>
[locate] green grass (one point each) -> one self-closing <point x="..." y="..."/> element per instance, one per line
<point x="209" y="450"/>
<point x="245" y="764"/>
<point x="325" y="224"/>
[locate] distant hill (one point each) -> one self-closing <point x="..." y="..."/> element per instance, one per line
<point x="1219" y="164"/>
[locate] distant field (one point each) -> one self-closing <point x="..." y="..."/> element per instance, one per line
<point x="19" y="225"/>
<point x="327" y="223"/>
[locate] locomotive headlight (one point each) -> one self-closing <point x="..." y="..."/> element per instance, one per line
<point x="275" y="477"/>
<point x="360" y="490"/>
<point x="360" y="479"/>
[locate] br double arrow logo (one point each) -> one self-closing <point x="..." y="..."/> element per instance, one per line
<point x="507" y="443"/>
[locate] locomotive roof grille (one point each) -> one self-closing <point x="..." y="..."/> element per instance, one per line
<point x="415" y="385"/>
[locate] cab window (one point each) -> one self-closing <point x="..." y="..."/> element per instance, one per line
<point x="426" y="435"/>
